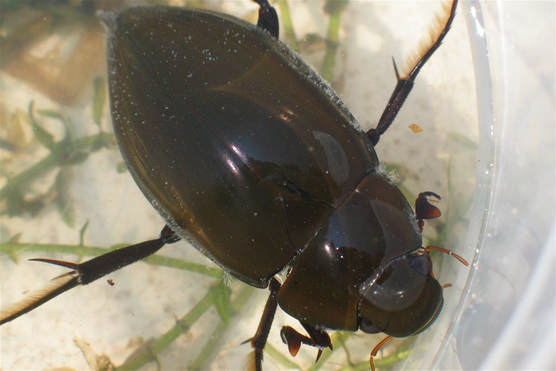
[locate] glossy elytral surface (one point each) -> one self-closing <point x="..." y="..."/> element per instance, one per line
<point x="236" y="142"/>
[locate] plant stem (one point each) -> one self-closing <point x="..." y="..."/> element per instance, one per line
<point x="332" y="38"/>
<point x="285" y="17"/>
<point x="214" y="344"/>
<point x="152" y="348"/>
<point x="23" y="179"/>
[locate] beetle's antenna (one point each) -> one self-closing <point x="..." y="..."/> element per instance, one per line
<point x="426" y="48"/>
<point x="449" y="252"/>
<point x="376" y="349"/>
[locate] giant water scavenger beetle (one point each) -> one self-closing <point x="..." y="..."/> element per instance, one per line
<point x="247" y="153"/>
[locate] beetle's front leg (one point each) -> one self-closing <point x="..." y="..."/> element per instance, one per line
<point x="317" y="338"/>
<point x="424" y="209"/>
<point x="87" y="272"/>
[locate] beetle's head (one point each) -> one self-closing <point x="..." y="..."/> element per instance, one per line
<point x="402" y="299"/>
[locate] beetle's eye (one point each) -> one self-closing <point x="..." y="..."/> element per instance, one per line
<point x="404" y="300"/>
<point x="420" y="263"/>
<point x="368" y="327"/>
<point x="398" y="287"/>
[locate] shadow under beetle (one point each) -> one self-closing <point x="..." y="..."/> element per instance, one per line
<point x="247" y="153"/>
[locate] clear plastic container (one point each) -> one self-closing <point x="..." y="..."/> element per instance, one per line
<point x="506" y="314"/>
<point x="485" y="102"/>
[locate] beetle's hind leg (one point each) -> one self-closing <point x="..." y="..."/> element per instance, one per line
<point x="437" y="31"/>
<point x="268" y="19"/>
<point x="87" y="272"/>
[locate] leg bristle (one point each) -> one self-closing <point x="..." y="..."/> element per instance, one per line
<point x="435" y="31"/>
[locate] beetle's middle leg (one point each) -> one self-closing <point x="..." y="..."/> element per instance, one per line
<point x="268" y="19"/>
<point x="258" y="341"/>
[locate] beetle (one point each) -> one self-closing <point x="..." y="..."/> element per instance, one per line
<point x="246" y="152"/>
